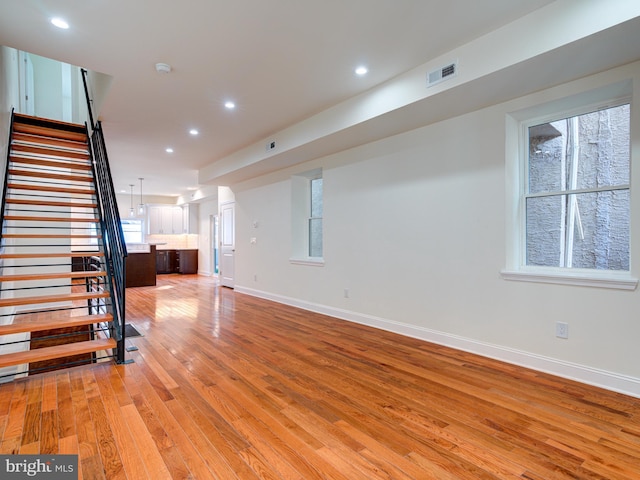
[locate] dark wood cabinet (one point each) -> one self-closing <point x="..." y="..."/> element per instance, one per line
<point x="177" y="261"/>
<point x="187" y="261"/>
<point x="165" y="261"/>
<point x="141" y="268"/>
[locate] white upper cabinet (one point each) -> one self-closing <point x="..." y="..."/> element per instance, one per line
<point x="165" y="220"/>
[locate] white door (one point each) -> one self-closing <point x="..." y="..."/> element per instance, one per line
<point x="227" y="244"/>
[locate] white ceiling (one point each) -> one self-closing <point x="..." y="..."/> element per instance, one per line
<point x="281" y="61"/>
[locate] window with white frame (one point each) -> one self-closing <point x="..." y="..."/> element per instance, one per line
<point x="569" y="182"/>
<point x="307" y="217"/>
<point x="315" y="217"/>
<point x="576" y="194"/>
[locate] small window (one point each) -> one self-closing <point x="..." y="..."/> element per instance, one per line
<point x="307" y="218"/>
<point x="315" y="218"/>
<point x="576" y="193"/>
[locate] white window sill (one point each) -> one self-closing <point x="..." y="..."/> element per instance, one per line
<point x="313" y="261"/>
<point x="582" y="278"/>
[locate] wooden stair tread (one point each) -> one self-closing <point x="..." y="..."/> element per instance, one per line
<point x="48" y="151"/>
<point x="47" y="324"/>
<point x="30" y="218"/>
<point x="50" y="132"/>
<point x="16" y="301"/>
<point x="49" y="203"/>
<point x="26" y="119"/>
<point x="47" y="235"/>
<point x="50" y="276"/>
<point x="57" y="351"/>
<point x="42" y="188"/>
<point x="50" y="163"/>
<point x="29" y="139"/>
<point x="52" y="255"/>
<point x="49" y="175"/>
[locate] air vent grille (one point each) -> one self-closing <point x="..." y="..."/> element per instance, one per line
<point x="442" y="73"/>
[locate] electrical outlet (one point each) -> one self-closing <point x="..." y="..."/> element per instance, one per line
<point x="562" y="330"/>
<point x="346" y="293"/>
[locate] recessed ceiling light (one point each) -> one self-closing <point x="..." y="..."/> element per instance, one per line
<point x="163" y="68"/>
<point x="59" y="22"/>
<point x="229" y="105"/>
<point x="193" y="131"/>
<point x="361" y="70"/>
<point x="168" y="150"/>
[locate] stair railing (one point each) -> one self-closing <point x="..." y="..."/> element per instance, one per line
<point x="113" y="236"/>
<point x="85" y="74"/>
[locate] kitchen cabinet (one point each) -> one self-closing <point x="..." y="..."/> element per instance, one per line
<point x="165" y="261"/>
<point x="177" y="261"/>
<point x="165" y="220"/>
<point x="187" y="261"/>
<point x="141" y="268"/>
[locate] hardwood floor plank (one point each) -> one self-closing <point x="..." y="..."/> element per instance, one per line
<point x="228" y="386"/>
<point x="10" y="446"/>
<point x="151" y="457"/>
<point x="85" y="431"/>
<point x="174" y="429"/>
<point x="49" y="393"/>
<point x="124" y="442"/>
<point x="69" y="446"/>
<point x="49" y="432"/>
<point x="91" y="468"/>
<point x="6" y="393"/>
<point x="30" y="449"/>
<point x="215" y="462"/>
<point x="66" y="417"/>
<point x="32" y="423"/>
<point x="175" y="463"/>
<point x="109" y="456"/>
<point x="16" y="411"/>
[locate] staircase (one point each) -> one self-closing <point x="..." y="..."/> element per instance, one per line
<point x="56" y="287"/>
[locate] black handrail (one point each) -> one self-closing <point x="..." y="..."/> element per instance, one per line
<point x="113" y="236"/>
<point x="85" y="73"/>
<point x="115" y="249"/>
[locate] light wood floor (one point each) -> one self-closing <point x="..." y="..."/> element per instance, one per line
<point x="232" y="387"/>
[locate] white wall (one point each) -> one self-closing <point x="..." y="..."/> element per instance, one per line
<point x="414" y="227"/>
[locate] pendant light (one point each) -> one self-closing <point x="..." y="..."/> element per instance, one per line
<point x="140" y="205"/>
<point x="132" y="212"/>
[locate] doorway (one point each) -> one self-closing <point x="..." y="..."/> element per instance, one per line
<point x="215" y="244"/>
<point x="227" y="244"/>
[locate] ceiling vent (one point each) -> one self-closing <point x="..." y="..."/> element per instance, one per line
<point x="441" y="74"/>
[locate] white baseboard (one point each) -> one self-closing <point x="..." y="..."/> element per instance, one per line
<point x="591" y="376"/>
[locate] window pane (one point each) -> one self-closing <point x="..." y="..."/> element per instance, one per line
<point x="315" y="237"/>
<point x="132" y="230"/>
<point x="316" y="197"/>
<point x="589" y="230"/>
<point x="586" y="151"/>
